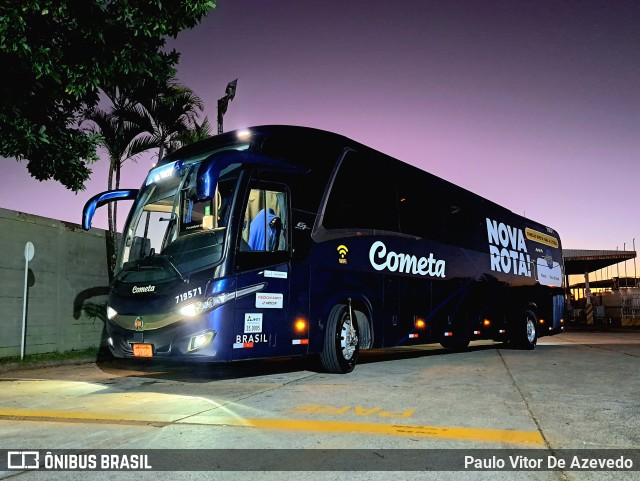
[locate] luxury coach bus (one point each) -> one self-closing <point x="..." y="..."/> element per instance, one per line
<point x="287" y="241"/>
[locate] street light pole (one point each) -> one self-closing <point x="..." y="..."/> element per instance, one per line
<point x="635" y="273"/>
<point x="626" y="277"/>
<point x="223" y="102"/>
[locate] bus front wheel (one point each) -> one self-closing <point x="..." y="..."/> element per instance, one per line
<point x="341" y="346"/>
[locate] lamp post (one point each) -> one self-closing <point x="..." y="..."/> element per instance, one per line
<point x="626" y="277"/>
<point x="223" y="102"/>
<point x="635" y="273"/>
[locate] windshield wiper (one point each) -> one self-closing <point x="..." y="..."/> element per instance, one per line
<point x="176" y="270"/>
<point x="152" y="261"/>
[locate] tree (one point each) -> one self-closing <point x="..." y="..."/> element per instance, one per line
<point x="59" y="54"/>
<point x="141" y="119"/>
<point x="170" y="118"/>
<point x="200" y="131"/>
<point x="119" y="138"/>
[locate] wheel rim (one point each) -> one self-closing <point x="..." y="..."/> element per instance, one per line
<point x="531" y="330"/>
<point x="348" y="339"/>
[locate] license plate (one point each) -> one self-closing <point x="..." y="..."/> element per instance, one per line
<point x="143" y="350"/>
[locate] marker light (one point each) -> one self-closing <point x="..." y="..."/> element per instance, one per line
<point x="486" y="323"/>
<point x="300" y="326"/>
<point x="244" y="134"/>
<point x="420" y="324"/>
<point x="111" y="313"/>
<point x="541" y="321"/>
<point x="160" y="173"/>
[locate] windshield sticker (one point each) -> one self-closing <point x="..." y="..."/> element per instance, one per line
<point x="252" y="323"/>
<point x="410" y="264"/>
<point x="548" y="272"/>
<point x="545" y="239"/>
<point x="275" y="274"/>
<point x="268" y="300"/>
<point x="508" y="249"/>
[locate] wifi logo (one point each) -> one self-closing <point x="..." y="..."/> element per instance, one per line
<point x="342" y="254"/>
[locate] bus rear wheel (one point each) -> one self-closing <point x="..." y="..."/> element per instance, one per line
<point x="341" y="346"/>
<point x="526" y="332"/>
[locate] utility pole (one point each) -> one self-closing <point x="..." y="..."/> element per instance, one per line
<point x="626" y="277"/>
<point x="223" y="102"/>
<point x="635" y="273"/>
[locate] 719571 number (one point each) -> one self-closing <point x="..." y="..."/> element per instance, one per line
<point x="189" y="294"/>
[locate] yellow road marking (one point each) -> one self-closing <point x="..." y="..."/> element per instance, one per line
<point x="476" y="434"/>
<point x="86" y="416"/>
<point x="496" y="435"/>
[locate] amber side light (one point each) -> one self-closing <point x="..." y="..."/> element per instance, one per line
<point x="300" y="326"/>
<point x="420" y="324"/>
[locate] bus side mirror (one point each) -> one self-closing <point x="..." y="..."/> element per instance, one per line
<point x="104" y="198"/>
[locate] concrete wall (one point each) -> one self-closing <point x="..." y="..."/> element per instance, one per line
<point x="68" y="269"/>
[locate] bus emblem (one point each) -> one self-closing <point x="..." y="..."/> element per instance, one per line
<point x="342" y="253"/>
<point x="138" y="324"/>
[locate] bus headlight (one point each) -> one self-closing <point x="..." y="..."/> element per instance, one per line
<point x="111" y="313"/>
<point x="196" y="308"/>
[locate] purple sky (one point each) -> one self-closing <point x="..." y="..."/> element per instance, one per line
<point x="532" y="104"/>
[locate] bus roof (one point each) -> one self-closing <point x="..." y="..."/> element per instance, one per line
<point x="254" y="135"/>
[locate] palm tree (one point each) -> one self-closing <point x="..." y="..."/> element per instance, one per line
<point x="119" y="139"/>
<point x="200" y="131"/>
<point x="139" y="120"/>
<point x="169" y="119"/>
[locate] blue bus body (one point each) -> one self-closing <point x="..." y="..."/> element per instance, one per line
<point x="288" y="241"/>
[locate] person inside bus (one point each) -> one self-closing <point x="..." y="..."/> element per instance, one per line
<point x="264" y="232"/>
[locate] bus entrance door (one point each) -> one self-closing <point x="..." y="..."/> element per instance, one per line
<point x="260" y="327"/>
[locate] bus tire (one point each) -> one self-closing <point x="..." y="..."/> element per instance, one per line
<point x="526" y="331"/>
<point x="341" y="347"/>
<point x="454" y="345"/>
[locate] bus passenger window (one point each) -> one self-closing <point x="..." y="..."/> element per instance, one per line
<point x="264" y="226"/>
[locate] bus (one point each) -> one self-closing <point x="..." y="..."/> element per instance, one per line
<point x="283" y="240"/>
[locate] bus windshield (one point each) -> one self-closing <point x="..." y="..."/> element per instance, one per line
<point x="171" y="232"/>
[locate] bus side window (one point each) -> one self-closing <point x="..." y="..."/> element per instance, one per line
<point x="420" y="204"/>
<point x="265" y="224"/>
<point x="363" y="195"/>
